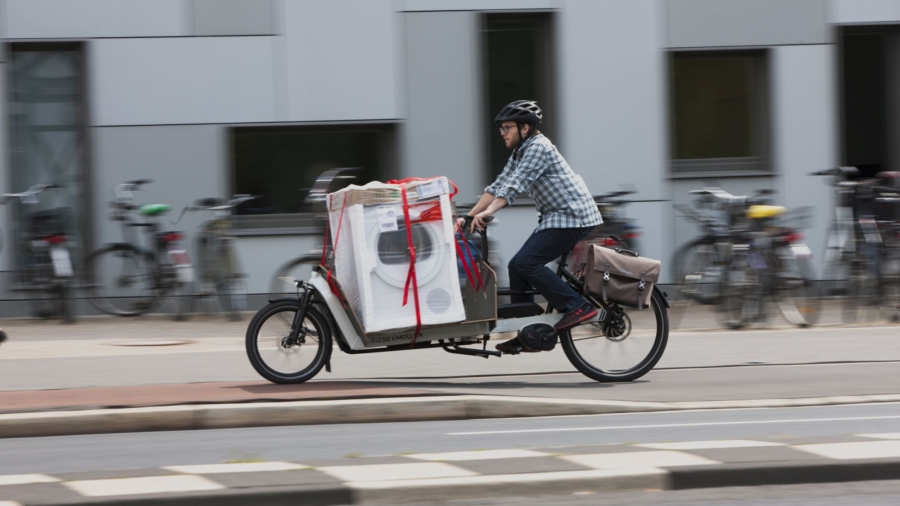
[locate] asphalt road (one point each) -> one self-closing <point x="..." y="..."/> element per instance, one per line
<point x="154" y="449"/>
<point x="866" y="493"/>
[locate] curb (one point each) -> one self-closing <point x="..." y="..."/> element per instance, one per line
<point x="520" y="485"/>
<point x="402" y="409"/>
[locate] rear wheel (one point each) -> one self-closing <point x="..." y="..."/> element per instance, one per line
<point x="122" y="280"/>
<point x="738" y="290"/>
<point x="699" y="271"/>
<point x="626" y="346"/>
<point x="796" y="292"/>
<point x="273" y="355"/>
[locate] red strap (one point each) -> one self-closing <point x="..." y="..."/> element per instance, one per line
<point x="329" y="276"/>
<point x="465" y="263"/>
<point x="411" y="277"/>
<point x="325" y="244"/>
<point x="475" y="266"/>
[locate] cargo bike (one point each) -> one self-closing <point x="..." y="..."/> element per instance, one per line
<point x="291" y="339"/>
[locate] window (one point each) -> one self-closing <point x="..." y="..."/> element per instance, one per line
<point x="519" y="53"/>
<point x="719" y="117"/>
<point x="281" y="164"/>
<point x="47" y="119"/>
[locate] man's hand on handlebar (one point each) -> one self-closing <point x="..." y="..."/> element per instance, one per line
<point x="479" y="221"/>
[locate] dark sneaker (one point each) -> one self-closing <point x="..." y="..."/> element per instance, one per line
<point x="585" y="312"/>
<point x="2" y="336"/>
<point x="512" y="346"/>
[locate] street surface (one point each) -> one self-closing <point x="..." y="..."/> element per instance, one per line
<point x="866" y="493"/>
<point x="300" y="444"/>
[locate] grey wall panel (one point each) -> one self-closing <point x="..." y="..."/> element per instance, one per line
<point x="478" y="5"/>
<point x="441" y="135"/>
<point x="611" y="89"/>
<point x="805" y="126"/>
<point x="341" y="59"/>
<point x="704" y="23"/>
<point x="46" y="19"/>
<point x="232" y="17"/>
<point x="185" y="163"/>
<point x="865" y="11"/>
<point x="181" y="80"/>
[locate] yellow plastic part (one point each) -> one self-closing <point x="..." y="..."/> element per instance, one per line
<point x="762" y="212"/>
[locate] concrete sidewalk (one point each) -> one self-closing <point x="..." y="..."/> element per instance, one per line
<point x="433" y="477"/>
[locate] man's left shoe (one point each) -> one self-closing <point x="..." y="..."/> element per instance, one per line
<point x="572" y="318"/>
<point x="2" y="336"/>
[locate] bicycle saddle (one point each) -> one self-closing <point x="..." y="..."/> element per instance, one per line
<point x="154" y="209"/>
<point x="759" y="212"/>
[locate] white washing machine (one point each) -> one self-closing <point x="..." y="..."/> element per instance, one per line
<point x="381" y="258"/>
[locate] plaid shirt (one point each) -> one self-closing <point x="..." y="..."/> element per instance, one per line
<point x="560" y="195"/>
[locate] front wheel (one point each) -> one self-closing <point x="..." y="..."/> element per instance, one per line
<point x="626" y="346"/>
<point x="273" y="354"/>
<point x="122" y="280"/>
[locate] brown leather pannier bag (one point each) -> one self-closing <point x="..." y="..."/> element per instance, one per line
<point x="621" y="276"/>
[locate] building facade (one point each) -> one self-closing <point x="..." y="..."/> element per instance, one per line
<point x="215" y="97"/>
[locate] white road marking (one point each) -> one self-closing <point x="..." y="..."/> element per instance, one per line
<point x="10" y="503"/>
<point x="851" y="451"/>
<point x="392" y="472"/>
<point x="143" y="485"/>
<point x="632" y="460"/>
<point x="895" y="435"/>
<point x="244" y="467"/>
<point x="477" y="455"/>
<point x="708" y="445"/>
<point x="26" y="479"/>
<point x="671" y="425"/>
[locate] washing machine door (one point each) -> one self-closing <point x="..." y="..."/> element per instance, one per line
<point x="391" y="252"/>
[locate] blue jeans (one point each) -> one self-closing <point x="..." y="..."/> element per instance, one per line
<point x="528" y="268"/>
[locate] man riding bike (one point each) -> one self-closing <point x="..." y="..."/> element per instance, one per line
<point x="567" y="212"/>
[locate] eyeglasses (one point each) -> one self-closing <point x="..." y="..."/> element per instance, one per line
<point x="504" y="129"/>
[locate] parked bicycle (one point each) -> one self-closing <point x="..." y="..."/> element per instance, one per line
<point x="863" y="244"/>
<point x="126" y="279"/>
<point x="217" y="258"/>
<point x="698" y="263"/>
<point x="767" y="262"/>
<point x="45" y="270"/>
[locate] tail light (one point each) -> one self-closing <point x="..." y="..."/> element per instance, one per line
<point x="632" y="235"/>
<point x="792" y="237"/>
<point x="57" y="239"/>
<point x="608" y="241"/>
<point x="172" y="236"/>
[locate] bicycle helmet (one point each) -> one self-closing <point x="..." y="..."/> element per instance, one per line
<point x="521" y="111"/>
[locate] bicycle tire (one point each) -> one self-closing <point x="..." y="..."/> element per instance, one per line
<point x="737" y="287"/>
<point x="120" y="303"/>
<point x="796" y="293"/>
<point x="695" y="276"/>
<point x="587" y="365"/>
<point x="296" y="268"/>
<point x="321" y="333"/>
